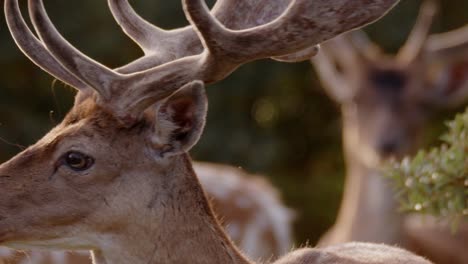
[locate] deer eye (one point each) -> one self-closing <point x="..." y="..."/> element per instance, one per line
<point x="78" y="161"/>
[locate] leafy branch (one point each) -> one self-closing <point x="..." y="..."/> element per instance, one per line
<point x="435" y="181"/>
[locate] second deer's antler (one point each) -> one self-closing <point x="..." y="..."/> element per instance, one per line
<point x="207" y="50"/>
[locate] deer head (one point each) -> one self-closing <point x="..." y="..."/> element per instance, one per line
<point x="386" y="99"/>
<point x="119" y="158"/>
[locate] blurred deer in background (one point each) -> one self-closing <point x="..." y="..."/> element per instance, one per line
<point x="115" y="177"/>
<point x="248" y="206"/>
<point x="385" y="101"/>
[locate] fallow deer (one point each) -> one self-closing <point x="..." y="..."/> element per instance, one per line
<point x="249" y="208"/>
<point x="115" y="177"/>
<point x="385" y="101"/>
<point x="257" y="207"/>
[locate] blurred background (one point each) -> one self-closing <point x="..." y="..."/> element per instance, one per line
<point x="269" y="118"/>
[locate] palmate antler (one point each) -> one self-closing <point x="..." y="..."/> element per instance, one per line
<point x="208" y="50"/>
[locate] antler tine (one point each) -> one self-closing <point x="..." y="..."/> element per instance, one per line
<point x="157" y="44"/>
<point x="338" y="60"/>
<point x="332" y="81"/>
<point x="343" y="50"/>
<point x="448" y="44"/>
<point x="363" y="44"/>
<point x="146" y="35"/>
<point x="97" y="76"/>
<point x="33" y="48"/>
<point x="417" y="39"/>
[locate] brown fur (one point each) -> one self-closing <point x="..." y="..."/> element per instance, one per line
<point x="240" y="200"/>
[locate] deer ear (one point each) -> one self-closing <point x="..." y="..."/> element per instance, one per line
<point x="179" y="120"/>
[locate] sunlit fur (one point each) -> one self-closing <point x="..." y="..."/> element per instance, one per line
<point x="247" y="205"/>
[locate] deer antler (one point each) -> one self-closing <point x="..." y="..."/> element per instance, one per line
<point x="300" y="26"/>
<point x="332" y="79"/>
<point x="363" y="45"/>
<point x="149" y="37"/>
<point x="339" y="60"/>
<point x="159" y="46"/>
<point x="448" y="44"/>
<point x="415" y="45"/>
<point x="34" y="49"/>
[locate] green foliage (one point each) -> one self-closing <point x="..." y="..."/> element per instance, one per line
<point x="436" y="181"/>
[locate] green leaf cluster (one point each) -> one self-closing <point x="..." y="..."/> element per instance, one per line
<point x="435" y="181"/>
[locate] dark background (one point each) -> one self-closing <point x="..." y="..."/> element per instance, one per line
<point x="267" y="117"/>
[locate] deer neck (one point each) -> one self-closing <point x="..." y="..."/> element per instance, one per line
<point x="175" y="227"/>
<point x="368" y="210"/>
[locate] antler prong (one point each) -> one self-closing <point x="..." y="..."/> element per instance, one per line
<point x="146" y="35"/>
<point x="449" y="44"/>
<point x="417" y="39"/>
<point x="215" y="38"/>
<point x="34" y="49"/>
<point x="333" y="80"/>
<point x="84" y="68"/>
<point x="363" y="45"/>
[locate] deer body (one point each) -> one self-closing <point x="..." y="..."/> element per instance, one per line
<point x="115" y="177"/>
<point x="385" y="102"/>
<point x="368" y="211"/>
